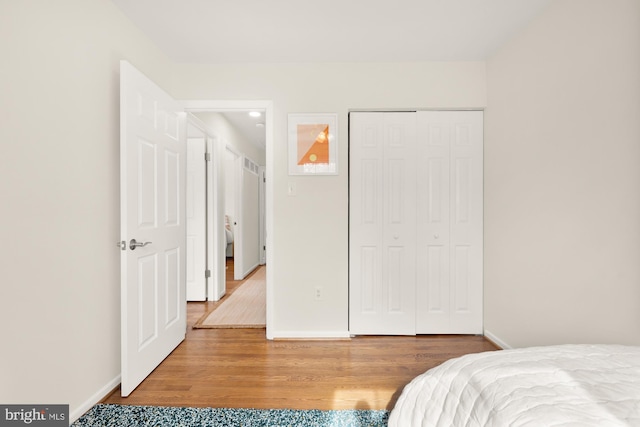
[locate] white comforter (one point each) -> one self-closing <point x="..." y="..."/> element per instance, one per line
<point x="568" y="385"/>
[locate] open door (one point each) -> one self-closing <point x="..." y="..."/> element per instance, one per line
<point x="196" y="218"/>
<point x="233" y="207"/>
<point x="153" y="231"/>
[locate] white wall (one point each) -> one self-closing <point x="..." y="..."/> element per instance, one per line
<point x="229" y="135"/>
<point x="562" y="184"/>
<point x="310" y="230"/>
<point x="59" y="181"/>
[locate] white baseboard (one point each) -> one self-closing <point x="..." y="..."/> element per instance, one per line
<point x="75" y="413"/>
<point x="276" y="335"/>
<point x="501" y="343"/>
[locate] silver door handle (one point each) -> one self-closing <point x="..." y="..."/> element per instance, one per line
<point x="133" y="244"/>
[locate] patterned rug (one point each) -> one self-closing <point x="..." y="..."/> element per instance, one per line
<point x="120" y="415"/>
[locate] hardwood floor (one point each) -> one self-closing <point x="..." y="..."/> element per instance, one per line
<point x="239" y="368"/>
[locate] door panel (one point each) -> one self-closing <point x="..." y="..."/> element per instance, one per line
<point x="449" y="276"/>
<point x="365" y="222"/>
<point x="173" y="171"/>
<point x="249" y="216"/>
<point x="173" y="277"/>
<point x="467" y="229"/>
<point x="382" y="221"/>
<point x="153" y="301"/>
<point x="196" y="221"/>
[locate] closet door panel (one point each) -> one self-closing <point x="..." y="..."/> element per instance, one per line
<point x="449" y="223"/>
<point x="382" y="224"/>
<point x="467" y="222"/>
<point x="432" y="225"/>
<point x="365" y="222"/>
<point x="399" y="186"/>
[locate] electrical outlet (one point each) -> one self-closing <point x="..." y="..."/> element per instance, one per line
<point x="318" y="292"/>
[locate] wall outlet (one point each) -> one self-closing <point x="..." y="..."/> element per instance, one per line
<point x="318" y="292"/>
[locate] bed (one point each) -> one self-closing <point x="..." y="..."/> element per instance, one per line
<point x="577" y="385"/>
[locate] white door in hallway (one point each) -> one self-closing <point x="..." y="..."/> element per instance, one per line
<point x="152" y="202"/>
<point x="196" y="199"/>
<point x="382" y="241"/>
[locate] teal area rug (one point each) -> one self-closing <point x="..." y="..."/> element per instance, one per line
<point x="121" y="415"/>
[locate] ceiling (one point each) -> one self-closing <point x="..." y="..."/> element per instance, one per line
<point x="257" y="31"/>
<point x="248" y="126"/>
<point x="221" y="31"/>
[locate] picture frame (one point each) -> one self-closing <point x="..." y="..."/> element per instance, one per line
<point x="313" y="143"/>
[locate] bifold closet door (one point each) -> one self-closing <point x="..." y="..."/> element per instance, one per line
<point x="449" y="222"/>
<point x="382" y="218"/>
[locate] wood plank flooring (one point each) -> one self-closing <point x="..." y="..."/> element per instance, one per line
<point x="239" y="368"/>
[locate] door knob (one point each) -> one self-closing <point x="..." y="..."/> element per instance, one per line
<point x="133" y="244"/>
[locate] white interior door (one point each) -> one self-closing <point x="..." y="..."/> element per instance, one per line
<point x="450" y="222"/>
<point x="263" y="222"/>
<point x="250" y="215"/>
<point x="233" y="207"/>
<point x="382" y="181"/>
<point x="153" y="177"/>
<point x="196" y="220"/>
<point x="216" y="234"/>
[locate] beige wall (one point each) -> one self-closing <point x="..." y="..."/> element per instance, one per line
<point x="562" y="184"/>
<point x="59" y="183"/>
<point x="310" y="235"/>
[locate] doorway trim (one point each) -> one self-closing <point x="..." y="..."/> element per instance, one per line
<point x="199" y="106"/>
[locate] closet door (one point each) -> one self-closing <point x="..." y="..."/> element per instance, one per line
<point x="449" y="222"/>
<point x="382" y="240"/>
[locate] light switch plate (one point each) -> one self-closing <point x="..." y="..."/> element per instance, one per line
<point x="291" y="188"/>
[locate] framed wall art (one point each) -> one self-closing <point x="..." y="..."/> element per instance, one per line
<point x="313" y="144"/>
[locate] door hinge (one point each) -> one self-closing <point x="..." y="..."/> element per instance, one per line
<point x="207" y="274"/>
<point x="207" y="157"/>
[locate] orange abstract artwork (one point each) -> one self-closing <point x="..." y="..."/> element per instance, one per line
<point x="313" y="144"/>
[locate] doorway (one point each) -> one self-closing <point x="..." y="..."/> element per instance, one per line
<point x="215" y="205"/>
